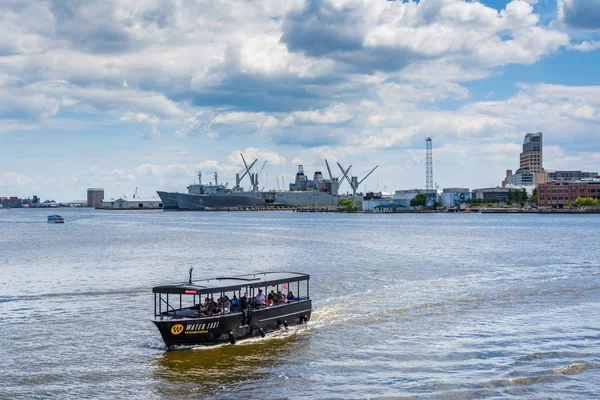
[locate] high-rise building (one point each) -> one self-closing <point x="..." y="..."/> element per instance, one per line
<point x="532" y="157"/>
<point x="531" y="167"/>
<point x="94" y="197"/>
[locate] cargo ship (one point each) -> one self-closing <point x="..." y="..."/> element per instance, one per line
<point x="202" y="196"/>
<point x="303" y="192"/>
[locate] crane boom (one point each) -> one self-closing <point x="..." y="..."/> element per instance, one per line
<point x="246" y="165"/>
<point x="328" y="170"/>
<point x="361" y="181"/>
<point x="249" y="168"/>
<point x="345" y="173"/>
<point x="261" y="169"/>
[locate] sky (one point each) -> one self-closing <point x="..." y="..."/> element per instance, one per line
<point x="124" y="95"/>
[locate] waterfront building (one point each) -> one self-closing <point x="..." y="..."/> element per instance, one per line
<point x="403" y="197"/>
<point x="531" y="164"/>
<point x="499" y="194"/>
<point x="570" y="175"/>
<point x="121" y="204"/>
<point x="532" y="157"/>
<point x="399" y="200"/>
<point x="454" y="197"/>
<point x="11" y="202"/>
<point x="558" y="194"/>
<point x="379" y="200"/>
<point x="94" y="197"/>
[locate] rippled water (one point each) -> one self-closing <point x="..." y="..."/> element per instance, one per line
<point x="406" y="306"/>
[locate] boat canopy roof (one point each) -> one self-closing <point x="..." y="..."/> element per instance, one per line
<point x="230" y="283"/>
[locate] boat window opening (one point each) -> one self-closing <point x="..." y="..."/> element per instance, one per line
<point x="167" y="305"/>
<point x="190" y="308"/>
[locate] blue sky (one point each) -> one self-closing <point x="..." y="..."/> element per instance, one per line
<point x="144" y="94"/>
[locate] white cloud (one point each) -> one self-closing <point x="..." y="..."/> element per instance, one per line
<point x="333" y="115"/>
<point x="15" y="179"/>
<point x="151" y="122"/>
<point x="252" y="153"/>
<point x="390" y="36"/>
<point x="586" y="45"/>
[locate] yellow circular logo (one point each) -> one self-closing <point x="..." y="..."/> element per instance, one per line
<point x="176" y="329"/>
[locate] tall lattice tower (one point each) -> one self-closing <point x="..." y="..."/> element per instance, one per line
<point x="429" y="167"/>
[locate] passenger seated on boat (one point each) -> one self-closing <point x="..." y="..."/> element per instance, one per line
<point x="204" y="306"/>
<point x="281" y="298"/>
<point x="260" y="299"/>
<point x="290" y="296"/>
<point x="272" y="296"/>
<point x="216" y="310"/>
<point x="224" y="304"/>
<point x="269" y="303"/>
<point x="235" y="302"/>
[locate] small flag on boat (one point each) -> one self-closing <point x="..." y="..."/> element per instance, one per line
<point x="285" y="286"/>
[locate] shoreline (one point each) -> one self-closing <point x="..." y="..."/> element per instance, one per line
<point x="330" y="209"/>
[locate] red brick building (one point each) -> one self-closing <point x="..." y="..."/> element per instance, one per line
<point x="559" y="194"/>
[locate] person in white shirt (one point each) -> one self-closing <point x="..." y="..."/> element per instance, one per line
<point x="260" y="298"/>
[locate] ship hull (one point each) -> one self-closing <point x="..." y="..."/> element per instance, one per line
<point x="224" y="328"/>
<point x="168" y="199"/>
<point x="194" y="202"/>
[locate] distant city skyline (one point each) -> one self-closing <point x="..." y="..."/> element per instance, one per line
<point x="122" y="95"/>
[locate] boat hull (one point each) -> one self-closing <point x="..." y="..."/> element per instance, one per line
<point x="215" y="330"/>
<point x="195" y="202"/>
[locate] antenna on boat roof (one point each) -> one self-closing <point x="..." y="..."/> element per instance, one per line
<point x="191" y="269"/>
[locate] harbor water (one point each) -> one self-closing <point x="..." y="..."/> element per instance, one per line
<point x="445" y="306"/>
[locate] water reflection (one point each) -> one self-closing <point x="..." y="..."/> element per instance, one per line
<point x="207" y="370"/>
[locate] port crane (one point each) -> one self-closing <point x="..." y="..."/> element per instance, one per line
<point x="253" y="176"/>
<point x="238" y="179"/>
<point x="335" y="181"/>
<point x="353" y="181"/>
<point x="256" y="176"/>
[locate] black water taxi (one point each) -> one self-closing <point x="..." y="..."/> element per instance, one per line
<point x="207" y="312"/>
